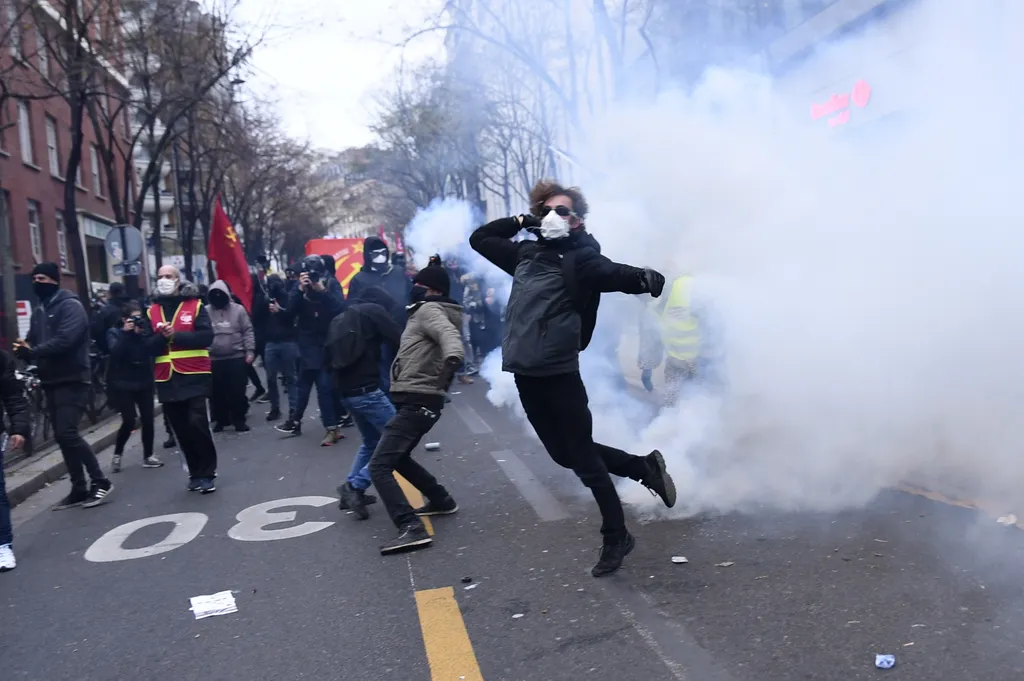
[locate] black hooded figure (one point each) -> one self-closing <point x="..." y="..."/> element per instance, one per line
<point x="378" y="271"/>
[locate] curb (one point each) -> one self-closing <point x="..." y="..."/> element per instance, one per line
<point x="29" y="476"/>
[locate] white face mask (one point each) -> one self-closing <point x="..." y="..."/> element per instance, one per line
<point x="554" y="226"/>
<point x="379" y="258"/>
<point x="166" y="287"/>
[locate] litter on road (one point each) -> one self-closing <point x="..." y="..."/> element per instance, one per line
<point x="727" y="563"/>
<point x="885" y="661"/>
<point x="517" y="615"/>
<point x="432" y="446"/>
<point x="467" y="580"/>
<point x="471" y="586"/>
<point x="221" y="603"/>
<point x="679" y="559"/>
<point x="1007" y="520"/>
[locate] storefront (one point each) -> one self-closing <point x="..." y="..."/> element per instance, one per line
<point x="98" y="269"/>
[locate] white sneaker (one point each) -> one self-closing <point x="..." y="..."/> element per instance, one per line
<point x="7" y="561"/>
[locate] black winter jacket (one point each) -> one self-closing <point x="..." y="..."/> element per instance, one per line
<point x="12" y="401"/>
<point x="59" y="336"/>
<point x="313" y="312"/>
<point x="130" y="366"/>
<point x="182" y="387"/>
<point x="545" y="326"/>
<point x="107" y="318"/>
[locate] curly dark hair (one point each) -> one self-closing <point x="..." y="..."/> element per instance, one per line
<point x="544" y="190"/>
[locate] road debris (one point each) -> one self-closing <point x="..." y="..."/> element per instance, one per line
<point x="221" y="603"/>
<point x="471" y="586"/>
<point x="882" y="541"/>
<point x="517" y="615"/>
<point x="761" y="577"/>
<point x="467" y="580"/>
<point x="915" y="626"/>
<point x="727" y="563"/>
<point x="679" y="560"/>
<point x="885" y="661"/>
<point x="1007" y="520"/>
<point x="907" y="645"/>
<point x="432" y="446"/>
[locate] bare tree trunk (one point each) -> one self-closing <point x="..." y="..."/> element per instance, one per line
<point x="158" y="232"/>
<point x="10" y="301"/>
<point x="74" y="235"/>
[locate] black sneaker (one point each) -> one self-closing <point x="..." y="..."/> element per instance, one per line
<point x="446" y="507"/>
<point x="273" y="414"/>
<point x="170" y="443"/>
<point x="242" y="428"/>
<point x="100" y="493"/>
<point x="207" y="486"/>
<point x="257" y="395"/>
<point x="353" y="500"/>
<point x="194" y="484"/>
<point x="264" y="400"/>
<point x="410" y="538"/>
<point x="290" y="427"/>
<point x="658" y="481"/>
<point x="612" y="556"/>
<point x="368" y="499"/>
<point x="218" y="427"/>
<point x="76" y="498"/>
<point x="115" y="464"/>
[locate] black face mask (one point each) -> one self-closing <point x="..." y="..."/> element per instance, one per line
<point x="44" y="290"/>
<point x="418" y="294"/>
<point x="219" y="301"/>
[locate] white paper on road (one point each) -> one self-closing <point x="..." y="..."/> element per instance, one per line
<point x="221" y="603"/>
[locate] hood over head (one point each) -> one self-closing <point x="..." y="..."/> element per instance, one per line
<point x="219" y="285"/>
<point x="372" y="246"/>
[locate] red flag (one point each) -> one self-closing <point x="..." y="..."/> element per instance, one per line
<point x="399" y="246"/>
<point x="225" y="250"/>
<point x="382" y="235"/>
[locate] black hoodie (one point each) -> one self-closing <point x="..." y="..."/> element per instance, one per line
<point x="355" y="338"/>
<point x="59" y="336"/>
<point x="392" y="280"/>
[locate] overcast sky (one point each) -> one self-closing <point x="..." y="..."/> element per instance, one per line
<point x="323" y="61"/>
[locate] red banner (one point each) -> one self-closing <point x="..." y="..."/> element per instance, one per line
<point x="225" y="251"/>
<point x="347" y="254"/>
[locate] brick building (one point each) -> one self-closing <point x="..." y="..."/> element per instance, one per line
<point x="34" y="146"/>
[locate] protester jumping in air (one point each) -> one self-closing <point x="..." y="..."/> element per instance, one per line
<point x="428" y="356"/>
<point x="355" y="342"/>
<point x="550" y="318"/>
<point x="181" y="335"/>
<point x="232" y="351"/>
<point x="130" y="382"/>
<point x="58" y="342"/>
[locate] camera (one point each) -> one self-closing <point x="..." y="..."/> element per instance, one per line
<point x="314" y="267"/>
<point x="138" y="320"/>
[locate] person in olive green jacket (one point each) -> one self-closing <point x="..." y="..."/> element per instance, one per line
<point x="428" y="357"/>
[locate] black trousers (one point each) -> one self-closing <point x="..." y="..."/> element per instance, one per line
<point x="394" y="453"/>
<point x="228" y="402"/>
<point x="192" y="428"/>
<point x="126" y="402"/>
<point x="557" y="407"/>
<point x="66" y="404"/>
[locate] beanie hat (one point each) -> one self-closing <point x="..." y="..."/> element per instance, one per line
<point x="48" y="269"/>
<point x="434" y="277"/>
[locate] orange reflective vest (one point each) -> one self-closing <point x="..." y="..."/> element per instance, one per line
<point x="174" y="358"/>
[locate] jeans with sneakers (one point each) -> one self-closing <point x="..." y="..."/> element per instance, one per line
<point x="6" y="536"/>
<point x="371" y="412"/>
<point x="280" y="358"/>
<point x="324" y="396"/>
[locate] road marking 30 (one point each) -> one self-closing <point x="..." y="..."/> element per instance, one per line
<point x="449" y="651"/>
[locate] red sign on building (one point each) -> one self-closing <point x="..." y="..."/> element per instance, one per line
<point x="837" y="108"/>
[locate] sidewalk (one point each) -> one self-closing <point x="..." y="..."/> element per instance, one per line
<point x="27" y="477"/>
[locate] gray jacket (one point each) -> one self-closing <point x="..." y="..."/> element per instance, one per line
<point x="233" y="336"/>
<point x="432" y="335"/>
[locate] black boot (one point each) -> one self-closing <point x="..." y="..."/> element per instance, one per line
<point x="658" y="481"/>
<point x="353" y="500"/>
<point x="612" y="555"/>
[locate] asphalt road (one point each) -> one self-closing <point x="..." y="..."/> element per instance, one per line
<point x="806" y="596"/>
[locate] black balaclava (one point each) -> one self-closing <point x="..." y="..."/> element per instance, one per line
<point x="219" y="299"/>
<point x="375" y="254"/>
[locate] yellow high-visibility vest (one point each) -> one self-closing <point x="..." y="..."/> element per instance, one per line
<point x="680" y="330"/>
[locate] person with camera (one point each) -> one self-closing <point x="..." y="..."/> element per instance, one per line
<point x="281" y="352"/>
<point x="313" y="305"/>
<point x="233" y="350"/>
<point x="130" y="382"/>
<point x="12" y="401"/>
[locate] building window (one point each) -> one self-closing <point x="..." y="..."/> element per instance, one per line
<point x="35" y="230"/>
<point x="17" y="38"/>
<point x="62" y="243"/>
<point x="25" y="133"/>
<point x="97" y="178"/>
<point x="43" y="51"/>
<point x="52" y="150"/>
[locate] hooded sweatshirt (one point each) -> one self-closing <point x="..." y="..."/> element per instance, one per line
<point x="233" y="335"/>
<point x="392" y="280"/>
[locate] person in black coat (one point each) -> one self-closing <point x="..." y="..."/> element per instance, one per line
<point x="12" y="401"/>
<point x="58" y="343"/>
<point x="260" y="317"/>
<point x="130" y="382"/>
<point x="108" y="316"/>
<point x="378" y="271"/>
<point x="557" y="281"/>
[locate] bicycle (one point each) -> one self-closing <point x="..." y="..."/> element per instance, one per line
<point x="39" y="415"/>
<point x="98" y="399"/>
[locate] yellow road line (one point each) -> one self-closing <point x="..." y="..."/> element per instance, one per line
<point x="416" y="499"/>
<point x="449" y="650"/>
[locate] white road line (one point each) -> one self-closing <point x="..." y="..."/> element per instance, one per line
<point x="547" y="507"/>
<point x="473" y="421"/>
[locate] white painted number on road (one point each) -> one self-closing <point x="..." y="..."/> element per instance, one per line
<point x="110" y="547"/>
<point x="252" y="520"/>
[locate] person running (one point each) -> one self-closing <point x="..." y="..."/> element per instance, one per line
<point x="557" y="281"/>
<point x="181" y="335"/>
<point x="232" y="351"/>
<point x="355" y="342"/>
<point x="58" y="343"/>
<point x="130" y="382"/>
<point x="12" y="401"/>
<point x="429" y="354"/>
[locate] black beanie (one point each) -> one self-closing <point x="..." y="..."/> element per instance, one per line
<point x="48" y="269"/>
<point x="434" y="277"/>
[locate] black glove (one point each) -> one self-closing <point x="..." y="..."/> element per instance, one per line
<point x="654" y="281"/>
<point x="23" y="353"/>
<point x="528" y="221"/>
<point x="451" y="365"/>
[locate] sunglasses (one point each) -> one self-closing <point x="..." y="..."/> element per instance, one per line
<point x="562" y="211"/>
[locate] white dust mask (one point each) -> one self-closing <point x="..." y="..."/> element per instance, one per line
<point x="166" y="287"/>
<point x="379" y="258"/>
<point x="553" y="226"/>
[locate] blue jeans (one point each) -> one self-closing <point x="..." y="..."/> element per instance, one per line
<point x="324" y="396"/>
<point x="279" y="358"/>
<point x="5" y="508"/>
<point x="371" y="412"/>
